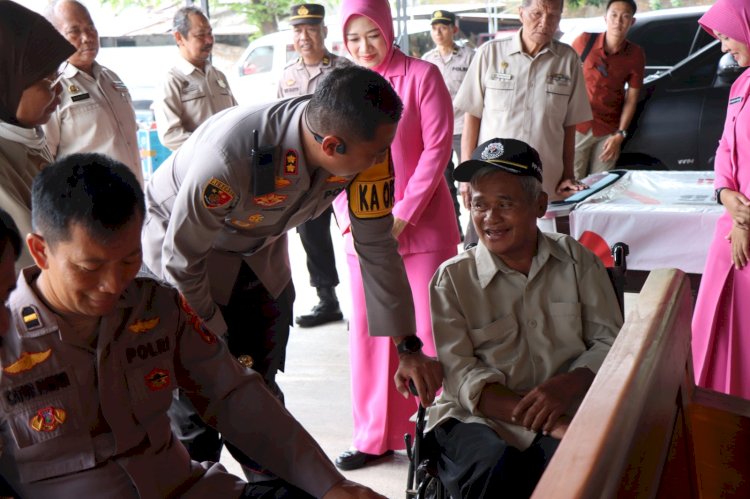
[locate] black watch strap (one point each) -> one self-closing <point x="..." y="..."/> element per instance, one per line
<point x="410" y="344"/>
<point x="718" y="194"/>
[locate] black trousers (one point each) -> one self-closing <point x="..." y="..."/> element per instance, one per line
<point x="273" y="489"/>
<point x="315" y="235"/>
<point x="452" y="188"/>
<point x="476" y="463"/>
<point x="257" y="325"/>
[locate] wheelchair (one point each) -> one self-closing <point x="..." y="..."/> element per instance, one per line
<point x="422" y="480"/>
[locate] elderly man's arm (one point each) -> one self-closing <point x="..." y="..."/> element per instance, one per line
<point x="469" y="139"/>
<point x="168" y="114"/>
<point x="568" y="179"/>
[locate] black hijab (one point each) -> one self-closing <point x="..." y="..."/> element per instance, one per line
<point x="31" y="49"/>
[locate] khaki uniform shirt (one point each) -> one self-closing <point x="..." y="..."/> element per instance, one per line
<point x="453" y="68"/>
<point x="95" y="115"/>
<point x="23" y="154"/>
<point x="493" y="324"/>
<point x="190" y="97"/>
<point x="88" y="417"/>
<point x="526" y="98"/>
<point x="203" y="220"/>
<point x="299" y="79"/>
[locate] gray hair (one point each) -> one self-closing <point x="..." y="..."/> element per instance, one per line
<point x="527" y="3"/>
<point x="181" y="22"/>
<point x="530" y="186"/>
<point x="50" y="12"/>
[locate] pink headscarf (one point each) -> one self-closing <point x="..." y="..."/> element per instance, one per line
<point x="379" y="12"/>
<point x="730" y="18"/>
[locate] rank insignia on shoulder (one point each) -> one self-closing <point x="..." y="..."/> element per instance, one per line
<point x="282" y="182"/>
<point x="217" y="194"/>
<point x="31" y="318"/>
<point x="371" y="193"/>
<point x="48" y="419"/>
<point x="270" y="199"/>
<point x="27" y="361"/>
<point x="326" y="60"/>
<point x="157" y="379"/>
<point x="291" y="162"/>
<point x="143" y="325"/>
<point x="197" y="322"/>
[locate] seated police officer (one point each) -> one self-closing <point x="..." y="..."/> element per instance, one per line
<point x="522" y="323"/>
<point x="93" y="354"/>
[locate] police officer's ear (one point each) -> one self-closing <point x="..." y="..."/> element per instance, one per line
<point x="325" y="32"/>
<point x="333" y="145"/>
<point x="38" y="248"/>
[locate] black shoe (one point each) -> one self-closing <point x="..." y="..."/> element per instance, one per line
<point x="354" y="459"/>
<point x="322" y="313"/>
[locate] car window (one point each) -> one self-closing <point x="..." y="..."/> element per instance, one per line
<point x="260" y="60"/>
<point x="666" y="43"/>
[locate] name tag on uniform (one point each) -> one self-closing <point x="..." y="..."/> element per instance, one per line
<point x="501" y="76"/>
<point x="76" y="98"/>
<point x="735" y="100"/>
<point x="461" y="68"/>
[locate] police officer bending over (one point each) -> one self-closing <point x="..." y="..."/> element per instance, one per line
<point x="219" y="208"/>
<point x="93" y="353"/>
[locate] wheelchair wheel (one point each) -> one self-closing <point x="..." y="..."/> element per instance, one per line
<point x="431" y="488"/>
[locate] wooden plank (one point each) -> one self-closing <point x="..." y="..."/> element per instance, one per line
<point x="619" y="439"/>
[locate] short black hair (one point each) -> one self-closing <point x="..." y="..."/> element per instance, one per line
<point x="92" y="190"/>
<point x="353" y="102"/>
<point x="181" y="21"/>
<point x="9" y="234"/>
<point x="631" y="3"/>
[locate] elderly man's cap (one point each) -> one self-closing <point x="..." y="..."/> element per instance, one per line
<point x="509" y="155"/>
<point x="307" y="13"/>
<point x="443" y="16"/>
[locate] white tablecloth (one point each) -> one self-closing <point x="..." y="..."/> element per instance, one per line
<point x="667" y="218"/>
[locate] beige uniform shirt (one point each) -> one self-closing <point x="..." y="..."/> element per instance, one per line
<point x="300" y="79"/>
<point x="526" y="98"/>
<point x="203" y="220"/>
<point x="23" y="154"/>
<point x="453" y="68"/>
<point x="493" y="324"/>
<point x="95" y="115"/>
<point x="88" y="418"/>
<point x="189" y="97"/>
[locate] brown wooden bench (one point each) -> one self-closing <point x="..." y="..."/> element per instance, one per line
<point x="644" y="429"/>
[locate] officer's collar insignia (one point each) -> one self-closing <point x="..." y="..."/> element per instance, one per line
<point x="197" y="322"/>
<point x="493" y="151"/>
<point x="217" y="194"/>
<point x="157" y="379"/>
<point x="144" y="325"/>
<point x="337" y="180"/>
<point x="282" y="182"/>
<point x="302" y="11"/>
<point x="27" y="361"/>
<point x="270" y="199"/>
<point x="48" y="419"/>
<point x="31" y="318"/>
<point x="291" y="162"/>
<point x="326" y="60"/>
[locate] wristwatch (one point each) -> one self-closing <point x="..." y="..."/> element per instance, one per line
<point x="410" y="344"/>
<point x="624" y="133"/>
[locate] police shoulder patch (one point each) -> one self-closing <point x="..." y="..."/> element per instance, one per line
<point x="371" y="193"/>
<point x="197" y="323"/>
<point x="216" y="194"/>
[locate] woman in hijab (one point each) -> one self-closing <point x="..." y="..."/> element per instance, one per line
<point x="721" y="322"/>
<point x="424" y="224"/>
<point x="32" y="51"/>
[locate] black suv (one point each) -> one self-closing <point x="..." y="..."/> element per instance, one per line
<point x="683" y="101"/>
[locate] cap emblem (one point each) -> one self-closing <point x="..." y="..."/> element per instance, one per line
<point x="493" y="151"/>
<point x="302" y="11"/>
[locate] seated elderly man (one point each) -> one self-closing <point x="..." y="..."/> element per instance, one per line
<point x="522" y="322"/>
<point x="92" y="355"/>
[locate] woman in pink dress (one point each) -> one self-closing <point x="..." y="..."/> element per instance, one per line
<point x="721" y="322"/>
<point x="424" y="224"/>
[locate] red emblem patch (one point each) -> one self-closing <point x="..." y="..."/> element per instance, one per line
<point x="157" y="379"/>
<point x="197" y="322"/>
<point x="291" y="159"/>
<point x="270" y="199"/>
<point x="48" y="419"/>
<point x="217" y="194"/>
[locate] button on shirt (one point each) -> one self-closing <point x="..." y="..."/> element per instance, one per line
<point x="189" y="97"/>
<point x="95" y="115"/>
<point x="493" y="324"/>
<point x="453" y="67"/>
<point x="301" y="79"/>
<point x="526" y="98"/>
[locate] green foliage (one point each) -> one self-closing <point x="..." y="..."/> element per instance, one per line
<point x="580" y="3"/>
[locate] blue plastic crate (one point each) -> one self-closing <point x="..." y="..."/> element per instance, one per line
<point x="152" y="152"/>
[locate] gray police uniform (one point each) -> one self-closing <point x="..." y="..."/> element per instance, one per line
<point x="87" y="418"/>
<point x="299" y="79"/>
<point x="95" y="115"/>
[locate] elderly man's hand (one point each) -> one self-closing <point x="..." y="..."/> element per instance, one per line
<point x="540" y="409"/>
<point x="424" y="371"/>
<point x="350" y="490"/>
<point x="570" y="184"/>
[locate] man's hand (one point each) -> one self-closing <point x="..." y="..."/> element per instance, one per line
<point x="398" y="226"/>
<point x="464" y="188"/>
<point x="569" y="184"/>
<point x="740" y="241"/>
<point x="738" y="205"/>
<point x="350" y="490"/>
<point x="611" y="149"/>
<point x="541" y="408"/>
<point x="424" y="371"/>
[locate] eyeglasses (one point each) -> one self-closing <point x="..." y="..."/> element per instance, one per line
<point x="340" y="147"/>
<point x="53" y="81"/>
